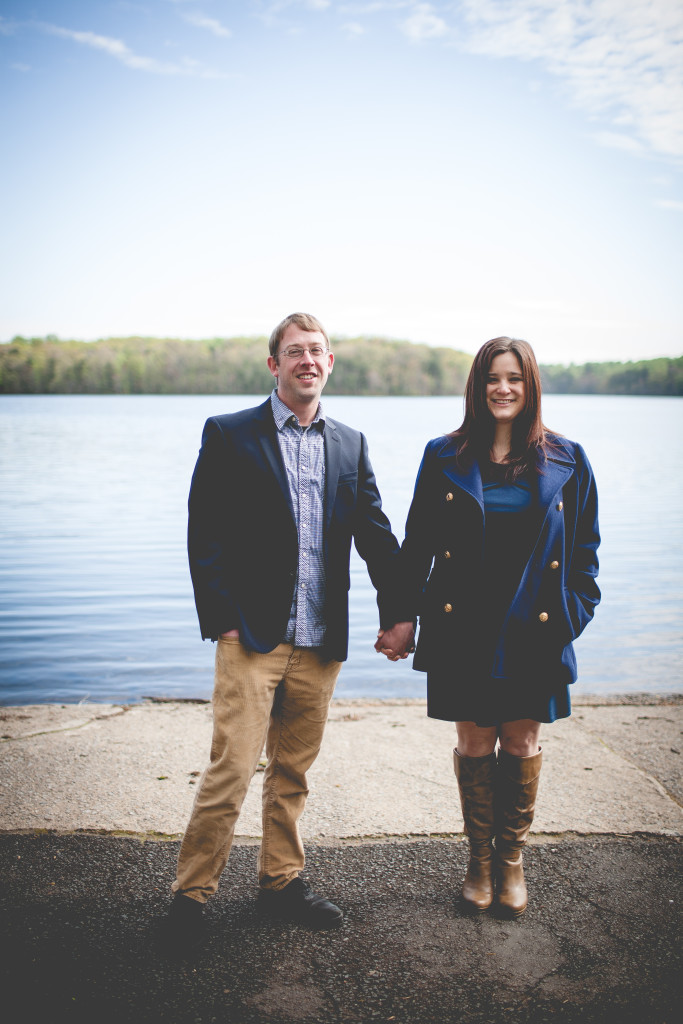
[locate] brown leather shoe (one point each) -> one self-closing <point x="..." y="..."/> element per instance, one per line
<point x="516" y="789"/>
<point x="296" y="902"/>
<point x="476" y="777"/>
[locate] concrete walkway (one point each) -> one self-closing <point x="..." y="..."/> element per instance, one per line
<point x="86" y="790"/>
<point x="385" y="770"/>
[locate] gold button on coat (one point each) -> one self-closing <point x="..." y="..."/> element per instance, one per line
<point x="449" y="496"/>
<point x="448" y="608"/>
<point x="560" y="506"/>
<point x="555" y="565"/>
<point x="543" y="617"/>
<point x="446" y="554"/>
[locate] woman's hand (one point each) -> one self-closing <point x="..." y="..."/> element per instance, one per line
<point x="396" y="643"/>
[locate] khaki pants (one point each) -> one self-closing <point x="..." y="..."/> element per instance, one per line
<point x="281" y="698"/>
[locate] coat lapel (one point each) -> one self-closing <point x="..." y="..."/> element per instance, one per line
<point x="266" y="441"/>
<point x="554" y="475"/>
<point x="468" y="478"/>
<point x="332" y="466"/>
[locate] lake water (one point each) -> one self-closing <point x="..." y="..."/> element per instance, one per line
<point x="95" y="595"/>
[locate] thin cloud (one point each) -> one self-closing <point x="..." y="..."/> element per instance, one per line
<point x="117" y="48"/>
<point x="618" y="60"/>
<point x="276" y="7"/>
<point x="353" y="29"/>
<point x="212" y="24"/>
<point x="614" y="140"/>
<point x="376" y="7"/>
<point x="423" y="23"/>
<point x="670" y="204"/>
<point x="275" y="14"/>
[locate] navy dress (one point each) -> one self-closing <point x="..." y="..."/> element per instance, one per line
<point x="512" y="520"/>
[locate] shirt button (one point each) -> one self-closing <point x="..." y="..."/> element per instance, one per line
<point x="449" y="496"/>
<point x="560" y="506"/>
<point x="448" y="608"/>
<point x="446" y="554"/>
<point x="555" y="565"/>
<point x="543" y="617"/>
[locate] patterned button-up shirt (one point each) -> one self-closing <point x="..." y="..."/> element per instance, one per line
<point x="303" y="454"/>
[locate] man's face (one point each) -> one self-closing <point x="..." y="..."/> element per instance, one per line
<point x="301" y="377"/>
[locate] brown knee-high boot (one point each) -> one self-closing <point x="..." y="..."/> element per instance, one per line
<point x="516" y="788"/>
<point x="475" y="777"/>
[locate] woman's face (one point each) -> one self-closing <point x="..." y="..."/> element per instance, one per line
<point x="505" y="391"/>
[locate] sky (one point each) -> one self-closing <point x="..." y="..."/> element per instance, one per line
<point x="441" y="172"/>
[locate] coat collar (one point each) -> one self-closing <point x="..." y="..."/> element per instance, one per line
<point x="557" y="470"/>
<point x="554" y="474"/>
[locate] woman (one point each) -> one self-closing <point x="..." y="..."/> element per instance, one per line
<point x="500" y="559"/>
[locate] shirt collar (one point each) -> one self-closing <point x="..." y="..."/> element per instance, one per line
<point x="283" y="415"/>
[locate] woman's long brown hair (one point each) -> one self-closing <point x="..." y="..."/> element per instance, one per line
<point x="530" y="442"/>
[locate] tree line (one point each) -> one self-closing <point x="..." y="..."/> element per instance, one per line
<point x="645" y="377"/>
<point x="363" y="366"/>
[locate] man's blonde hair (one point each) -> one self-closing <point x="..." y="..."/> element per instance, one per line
<point x="303" y="320"/>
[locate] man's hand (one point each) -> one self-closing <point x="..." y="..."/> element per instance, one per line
<point x="398" y="642"/>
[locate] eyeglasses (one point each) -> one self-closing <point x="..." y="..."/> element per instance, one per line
<point x="296" y="352"/>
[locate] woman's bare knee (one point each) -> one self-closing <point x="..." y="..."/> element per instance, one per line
<point x="520" y="738"/>
<point x="475" y="741"/>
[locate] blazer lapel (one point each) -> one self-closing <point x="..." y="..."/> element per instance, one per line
<point x="266" y="440"/>
<point x="332" y="467"/>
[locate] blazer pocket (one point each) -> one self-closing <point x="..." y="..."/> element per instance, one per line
<point x="346" y="491"/>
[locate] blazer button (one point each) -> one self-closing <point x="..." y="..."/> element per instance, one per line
<point x="560" y="506"/>
<point x="446" y="554"/>
<point x="543" y="617"/>
<point x="449" y="496"/>
<point x="555" y="565"/>
<point x="448" y="608"/>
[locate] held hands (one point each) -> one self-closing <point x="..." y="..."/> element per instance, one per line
<point x="398" y="642"/>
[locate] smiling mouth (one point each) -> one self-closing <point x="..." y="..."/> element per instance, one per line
<point x="307" y="376"/>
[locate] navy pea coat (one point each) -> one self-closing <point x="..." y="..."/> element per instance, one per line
<point x="243" y="540"/>
<point x="441" y="560"/>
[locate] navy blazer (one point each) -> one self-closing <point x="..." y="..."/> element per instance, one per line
<point x="441" y="563"/>
<point x="242" y="535"/>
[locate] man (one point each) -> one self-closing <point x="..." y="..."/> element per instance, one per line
<point x="277" y="495"/>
